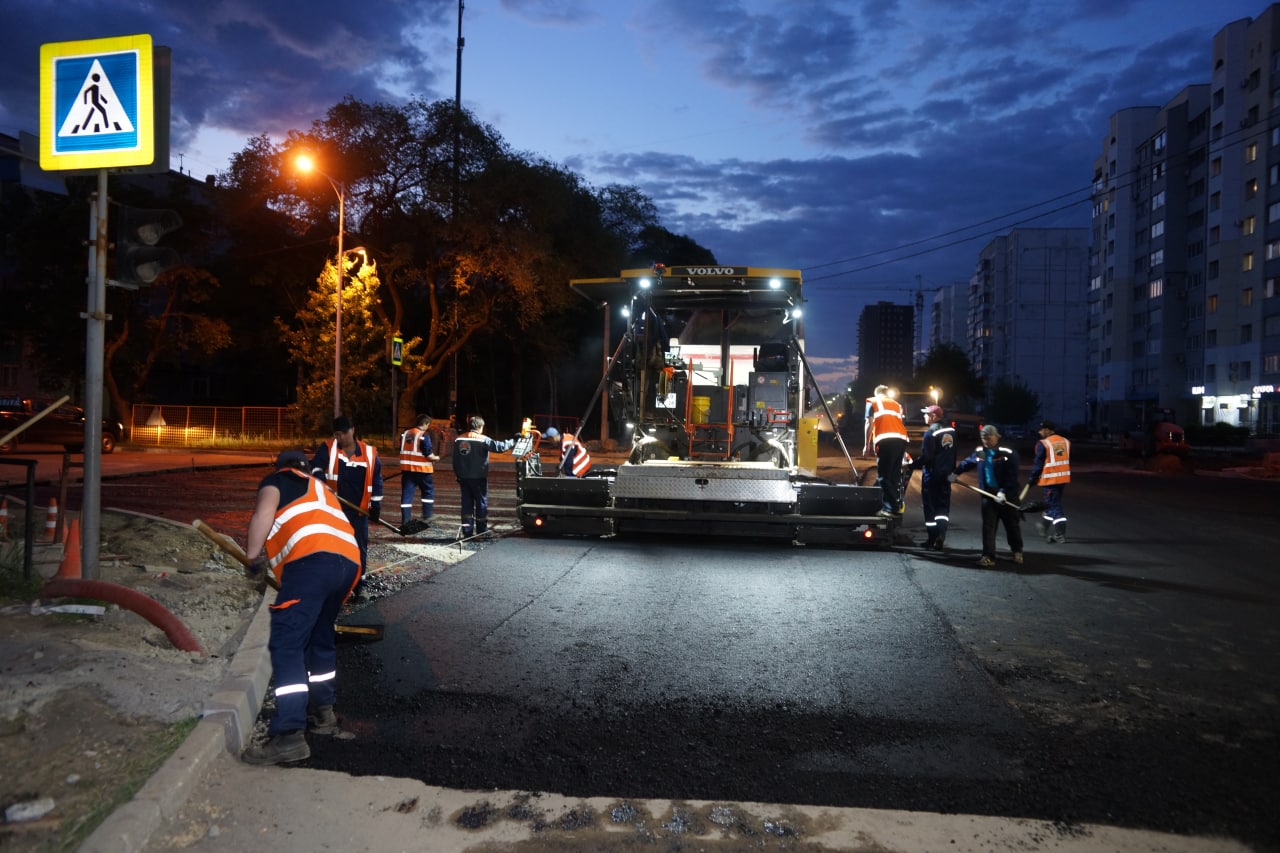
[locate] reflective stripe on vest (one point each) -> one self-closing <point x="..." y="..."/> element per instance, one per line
<point x="411" y="456"/>
<point x="1057" y="461"/>
<point x="365" y="458"/>
<point x="886" y="420"/>
<point x="313" y="523"/>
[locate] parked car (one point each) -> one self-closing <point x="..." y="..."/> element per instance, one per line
<point x="64" y="425"/>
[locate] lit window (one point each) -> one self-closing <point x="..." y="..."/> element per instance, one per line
<point x="1246" y="296"/>
<point x="1251" y="188"/>
<point x="1157" y="229"/>
<point x="1155" y="288"/>
<point x="1157" y="200"/>
<point x="1246" y="262"/>
<point x="1211" y="304"/>
<point x="1251" y="152"/>
<point x="1248" y="225"/>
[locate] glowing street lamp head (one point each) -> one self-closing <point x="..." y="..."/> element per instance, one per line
<point x="305" y="163"/>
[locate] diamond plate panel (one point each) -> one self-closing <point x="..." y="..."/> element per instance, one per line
<point x="746" y="482"/>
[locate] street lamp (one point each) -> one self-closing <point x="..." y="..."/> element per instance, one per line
<point x="307" y="164"/>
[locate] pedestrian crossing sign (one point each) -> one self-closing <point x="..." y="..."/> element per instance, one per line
<point x="97" y="104"/>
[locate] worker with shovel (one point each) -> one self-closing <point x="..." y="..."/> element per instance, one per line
<point x="300" y="534"/>
<point x="997" y="479"/>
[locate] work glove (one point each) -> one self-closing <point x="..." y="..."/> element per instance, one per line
<point x="375" y="511"/>
<point x="1000" y="498"/>
<point x="951" y="478"/>
<point x="257" y="568"/>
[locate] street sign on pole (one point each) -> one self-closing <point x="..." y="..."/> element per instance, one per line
<point x="97" y="104"/>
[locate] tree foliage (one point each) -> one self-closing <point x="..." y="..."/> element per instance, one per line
<point x="1012" y="402"/>
<point x="481" y="246"/>
<point x="946" y="366"/>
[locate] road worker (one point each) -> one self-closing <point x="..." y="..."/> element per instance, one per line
<point x="299" y="533"/>
<point x="471" y="467"/>
<point x="575" y="461"/>
<point x="998" y="478"/>
<point x="417" y="470"/>
<point x="886" y="433"/>
<point x="353" y="470"/>
<point x="1051" y="470"/>
<point x="936" y="461"/>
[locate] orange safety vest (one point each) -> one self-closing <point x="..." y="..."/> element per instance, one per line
<point x="581" y="459"/>
<point x="1057" y="461"/>
<point x="366" y="457"/>
<point x="313" y="523"/>
<point x="411" y="456"/>
<point x="886" y="420"/>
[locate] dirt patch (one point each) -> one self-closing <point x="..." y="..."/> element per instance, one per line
<point x="92" y="705"/>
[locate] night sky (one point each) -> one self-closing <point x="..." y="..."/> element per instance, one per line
<point x="875" y="145"/>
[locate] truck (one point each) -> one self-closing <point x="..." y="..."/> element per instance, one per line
<point x="709" y="382"/>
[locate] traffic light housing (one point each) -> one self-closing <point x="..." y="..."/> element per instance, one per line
<point x="139" y="257"/>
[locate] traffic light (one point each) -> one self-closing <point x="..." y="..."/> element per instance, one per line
<point x="139" y="260"/>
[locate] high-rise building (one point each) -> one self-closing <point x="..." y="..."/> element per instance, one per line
<point x="886" y="340"/>
<point x="1027" y="318"/>
<point x="1184" y="316"/>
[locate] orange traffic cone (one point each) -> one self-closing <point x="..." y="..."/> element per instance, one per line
<point x="70" y="567"/>
<point x="4" y="519"/>
<point x="51" y="521"/>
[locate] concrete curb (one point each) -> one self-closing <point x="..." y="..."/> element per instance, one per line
<point x="226" y="725"/>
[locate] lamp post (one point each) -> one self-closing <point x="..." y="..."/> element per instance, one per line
<point x="307" y="164"/>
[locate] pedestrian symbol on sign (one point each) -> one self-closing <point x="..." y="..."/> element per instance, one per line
<point x="97" y="109"/>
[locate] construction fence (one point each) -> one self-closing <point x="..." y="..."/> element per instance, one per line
<point x="208" y="426"/>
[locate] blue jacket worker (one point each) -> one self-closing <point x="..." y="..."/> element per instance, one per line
<point x="471" y="466"/>
<point x="998" y="476"/>
<point x="936" y="461"/>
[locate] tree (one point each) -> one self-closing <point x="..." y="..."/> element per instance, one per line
<point x="947" y="367"/>
<point x="366" y="360"/>
<point x="1012" y="402"/>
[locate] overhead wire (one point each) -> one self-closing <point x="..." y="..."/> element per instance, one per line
<point x="1131" y="178"/>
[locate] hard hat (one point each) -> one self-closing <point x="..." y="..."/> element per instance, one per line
<point x="552" y="432"/>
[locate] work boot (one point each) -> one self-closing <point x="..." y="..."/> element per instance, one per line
<point x="939" y="544"/>
<point x="928" y="543"/>
<point x="1042" y="527"/>
<point x="322" y="721"/>
<point x="280" y="749"/>
<point x="986" y="562"/>
<point x="1017" y="557"/>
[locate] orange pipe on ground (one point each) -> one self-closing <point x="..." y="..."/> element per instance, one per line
<point x="130" y="599"/>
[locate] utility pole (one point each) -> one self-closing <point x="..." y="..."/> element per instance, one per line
<point x="457" y="131"/>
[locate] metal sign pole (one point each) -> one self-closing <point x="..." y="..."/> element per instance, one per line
<point x="95" y="345"/>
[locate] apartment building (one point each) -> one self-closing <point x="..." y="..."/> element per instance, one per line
<point x="1186" y="247"/>
<point x="886" y="338"/>
<point x="1027" y="318"/>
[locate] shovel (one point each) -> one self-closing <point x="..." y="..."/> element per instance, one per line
<point x="230" y="546"/>
<point x="1034" y="506"/>
<point x="409" y="528"/>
